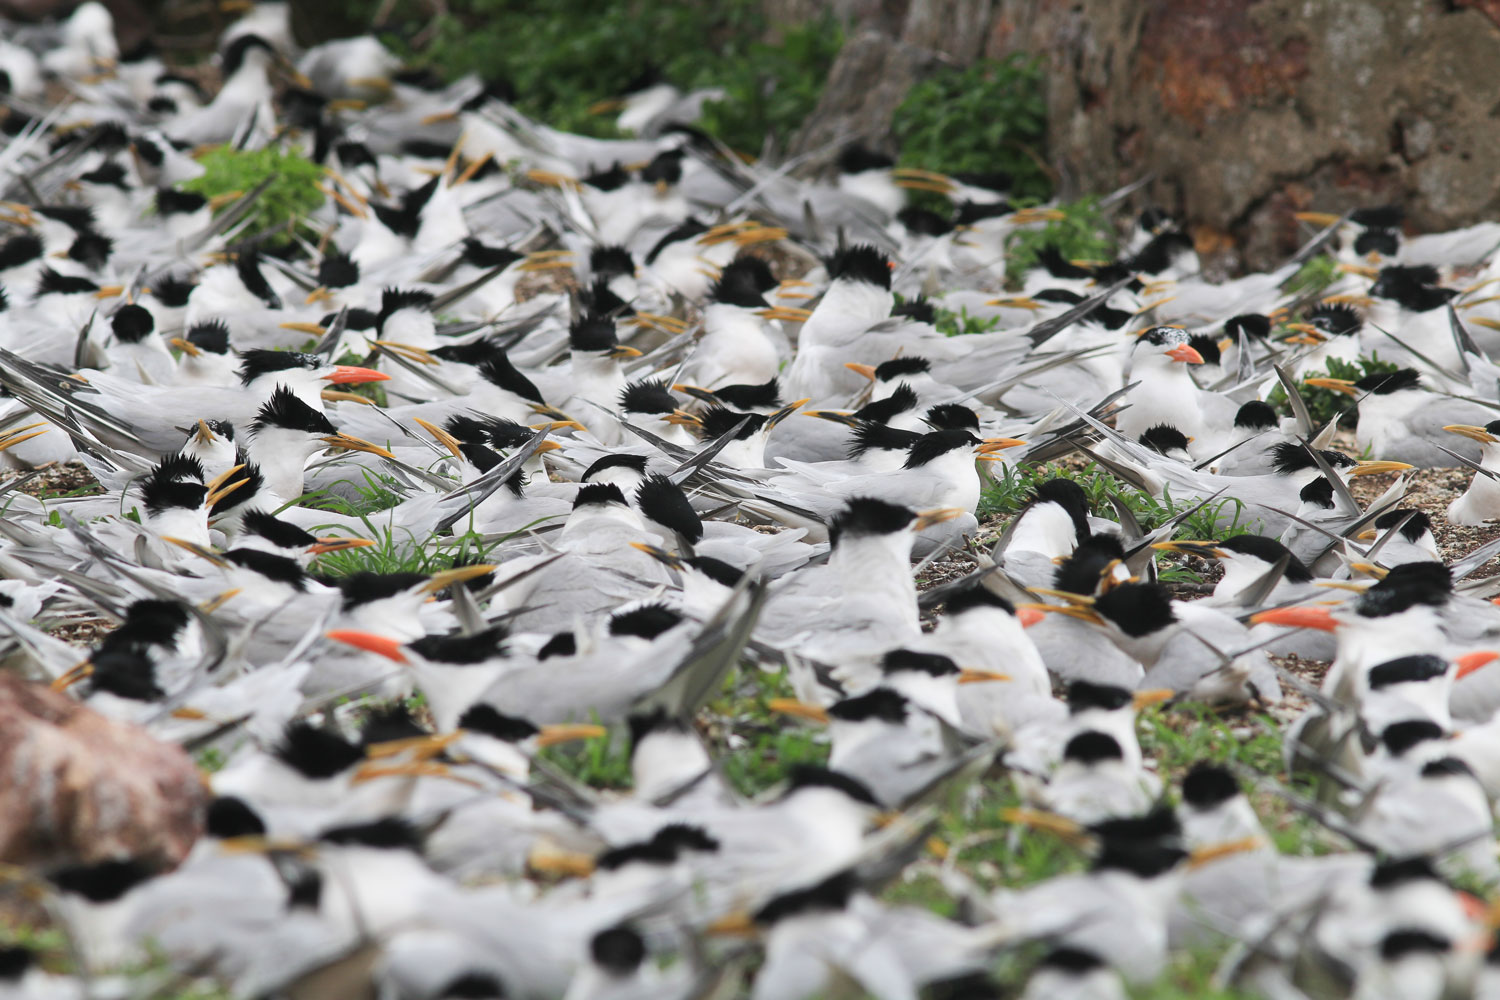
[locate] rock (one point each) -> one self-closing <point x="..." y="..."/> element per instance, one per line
<point x="1243" y="110"/>
<point x="1246" y="112"/>
<point x="80" y="788"/>
<point x="868" y="81"/>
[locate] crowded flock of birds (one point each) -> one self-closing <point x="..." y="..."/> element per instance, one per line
<point x="642" y="419"/>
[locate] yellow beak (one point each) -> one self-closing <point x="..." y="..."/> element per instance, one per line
<point x="553" y="735"/>
<point x="800" y="709"/>
<point x="15" y="436"/>
<point x="1335" y="384"/>
<point x="1472" y="432"/>
<point x="441" y="436"/>
<point x="1145" y="699"/>
<point x="1378" y="468"/>
<point x="927" y="518"/>
<point x="351" y="443"/>
<point x="458" y="574"/>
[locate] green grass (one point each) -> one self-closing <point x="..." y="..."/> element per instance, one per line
<point x="391" y="554"/>
<point x="375" y="494"/>
<point x="1014" y="486"/>
<point x="89" y="490"/>
<point x="601" y="762"/>
<point x="766" y="744"/>
<point x="291" y="197"/>
<point x="1325" y="404"/>
<point x="988" y="116"/>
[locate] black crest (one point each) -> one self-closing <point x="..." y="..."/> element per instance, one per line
<point x="285" y="411"/>
<point x="860" y="262"/>
<point x="663" y="501"/>
<point x="868" y="516"/>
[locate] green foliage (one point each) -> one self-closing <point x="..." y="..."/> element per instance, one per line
<point x="1000" y="852"/>
<point x="564" y="56"/>
<point x="768" y="744"/>
<point x="1015" y="484"/>
<point x="1325" y="404"/>
<point x="1082" y="234"/>
<point x="769" y="90"/>
<point x="770" y="756"/>
<point x="991" y="115"/>
<point x="956" y="324"/>
<point x="1192" y="734"/>
<point x="292" y="195"/>
<point x="1317" y="274"/>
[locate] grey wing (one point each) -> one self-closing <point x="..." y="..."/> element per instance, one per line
<point x="1476" y="697"/>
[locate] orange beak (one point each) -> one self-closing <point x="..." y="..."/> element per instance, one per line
<point x="868" y="371"/>
<point x="370" y="643"/>
<point x="1028" y="616"/>
<point x="1186" y="353"/>
<point x="351" y="374"/>
<point x="1303" y="617"/>
<point x="1470" y="662"/>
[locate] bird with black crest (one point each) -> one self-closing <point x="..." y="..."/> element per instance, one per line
<point x="1411" y="303"/>
<point x="137" y="350"/>
<point x="596" y="376"/>
<point x="244" y="98"/>
<point x="1054" y="520"/>
<point x="835" y="931"/>
<point x="858" y="297"/>
<point x="862" y="602"/>
<point x="939" y="471"/>
<point x="598" y="569"/>
<point x="206" y="358"/>
<point x="1399" y="417"/>
<point x="986" y="635"/>
<point x="1239" y="879"/>
<point x="738" y="346"/>
<point x="1480" y="503"/>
